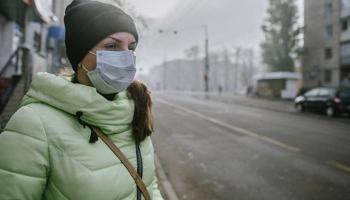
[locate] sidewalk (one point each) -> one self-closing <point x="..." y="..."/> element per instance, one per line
<point x="239" y="99"/>
<point x="12" y="104"/>
<point x="164" y="185"/>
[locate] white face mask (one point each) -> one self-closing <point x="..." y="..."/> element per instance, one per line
<point x="114" y="72"/>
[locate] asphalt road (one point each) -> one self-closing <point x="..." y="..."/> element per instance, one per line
<point x="212" y="150"/>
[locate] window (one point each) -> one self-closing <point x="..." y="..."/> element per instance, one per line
<point x="344" y="25"/>
<point x="344" y="94"/>
<point x="328" y="9"/>
<point x="329" y="32"/>
<point x="345" y="49"/>
<point x="327" y="92"/>
<point x="328" y="53"/>
<point x="345" y="53"/>
<point x="37" y="41"/>
<point x="313" y="92"/>
<point x="323" y="92"/>
<point x="327" y="76"/>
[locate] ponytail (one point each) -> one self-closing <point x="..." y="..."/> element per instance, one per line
<point x="142" y="123"/>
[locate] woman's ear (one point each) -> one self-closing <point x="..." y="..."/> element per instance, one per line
<point x="81" y="75"/>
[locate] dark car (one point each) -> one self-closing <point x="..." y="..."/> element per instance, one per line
<point x="328" y="100"/>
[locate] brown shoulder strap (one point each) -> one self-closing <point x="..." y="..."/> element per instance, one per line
<point x="138" y="180"/>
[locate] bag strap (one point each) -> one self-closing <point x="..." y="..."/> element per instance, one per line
<point x="139" y="168"/>
<point x="138" y="180"/>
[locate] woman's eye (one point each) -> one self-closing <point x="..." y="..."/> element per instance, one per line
<point x="132" y="47"/>
<point x="111" y="46"/>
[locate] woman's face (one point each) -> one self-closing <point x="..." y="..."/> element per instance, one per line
<point x="121" y="41"/>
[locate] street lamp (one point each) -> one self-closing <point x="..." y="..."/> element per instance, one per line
<point x="206" y="65"/>
<point x="237" y="55"/>
<point x="168" y="31"/>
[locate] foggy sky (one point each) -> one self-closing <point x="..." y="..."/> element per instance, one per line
<point x="231" y="23"/>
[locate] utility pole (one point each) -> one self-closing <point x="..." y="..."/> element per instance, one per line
<point x="251" y="66"/>
<point x="238" y="51"/>
<point x="226" y="63"/>
<point x="206" y="65"/>
<point x="164" y="73"/>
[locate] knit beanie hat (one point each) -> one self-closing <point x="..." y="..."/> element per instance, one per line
<point x="89" y="22"/>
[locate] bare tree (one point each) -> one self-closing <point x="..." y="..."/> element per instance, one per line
<point x="225" y="58"/>
<point x="192" y="52"/>
<point x="248" y="70"/>
<point x="141" y="21"/>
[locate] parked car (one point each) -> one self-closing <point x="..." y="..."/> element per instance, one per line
<point x="331" y="101"/>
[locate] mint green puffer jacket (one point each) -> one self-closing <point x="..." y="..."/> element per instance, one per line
<point x="45" y="152"/>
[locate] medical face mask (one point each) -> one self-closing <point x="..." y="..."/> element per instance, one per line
<point x="114" y="72"/>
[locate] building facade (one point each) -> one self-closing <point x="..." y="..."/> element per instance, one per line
<point x="326" y="59"/>
<point x="26" y="30"/>
<point x="188" y="75"/>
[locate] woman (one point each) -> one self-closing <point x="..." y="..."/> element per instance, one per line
<point x="48" y="149"/>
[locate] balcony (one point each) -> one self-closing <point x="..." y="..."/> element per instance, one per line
<point x="345" y="12"/>
<point x="345" y="60"/>
<point x="345" y="36"/>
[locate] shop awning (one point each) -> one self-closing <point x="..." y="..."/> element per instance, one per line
<point x="56" y="32"/>
<point x="43" y="9"/>
<point x="38" y="10"/>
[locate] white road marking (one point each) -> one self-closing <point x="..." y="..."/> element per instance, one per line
<point x="180" y="112"/>
<point x="232" y="127"/>
<point x="339" y="165"/>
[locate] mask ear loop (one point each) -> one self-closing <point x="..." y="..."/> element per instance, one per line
<point x="82" y="66"/>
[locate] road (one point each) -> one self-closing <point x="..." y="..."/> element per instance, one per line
<point x="211" y="150"/>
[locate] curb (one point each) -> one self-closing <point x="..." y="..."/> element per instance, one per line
<point x="164" y="184"/>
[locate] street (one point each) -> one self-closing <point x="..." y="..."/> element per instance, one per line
<point x="212" y="150"/>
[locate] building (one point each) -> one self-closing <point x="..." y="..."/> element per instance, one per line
<point x="25" y="35"/>
<point x="188" y="75"/>
<point x="326" y="60"/>
<point x="182" y="75"/>
<point x="35" y="23"/>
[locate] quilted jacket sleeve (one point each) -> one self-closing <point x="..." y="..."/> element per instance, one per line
<point x="156" y="192"/>
<point x="24" y="159"/>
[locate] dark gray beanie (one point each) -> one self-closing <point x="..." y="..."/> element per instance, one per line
<point x="89" y="22"/>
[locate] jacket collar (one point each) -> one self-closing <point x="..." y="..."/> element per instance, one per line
<point x="111" y="116"/>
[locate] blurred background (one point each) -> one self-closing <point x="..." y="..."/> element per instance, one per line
<point x="266" y="83"/>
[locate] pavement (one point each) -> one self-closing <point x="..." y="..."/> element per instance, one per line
<point x="212" y="150"/>
<point x="164" y="185"/>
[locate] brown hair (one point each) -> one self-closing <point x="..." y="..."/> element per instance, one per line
<point x="142" y="123"/>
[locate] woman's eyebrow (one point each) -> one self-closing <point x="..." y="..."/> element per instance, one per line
<point x="115" y="39"/>
<point x="119" y="41"/>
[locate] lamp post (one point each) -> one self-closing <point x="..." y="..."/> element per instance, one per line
<point x="238" y="52"/>
<point x="206" y="62"/>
